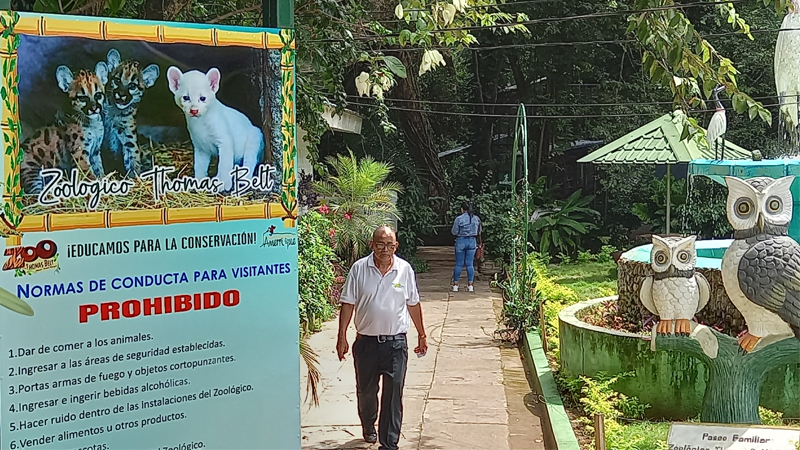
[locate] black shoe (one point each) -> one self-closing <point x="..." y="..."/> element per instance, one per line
<point x="371" y="438"/>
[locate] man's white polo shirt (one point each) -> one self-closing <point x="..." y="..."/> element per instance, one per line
<point x="381" y="300"/>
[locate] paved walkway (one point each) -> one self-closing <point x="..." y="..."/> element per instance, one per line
<point x="468" y="392"/>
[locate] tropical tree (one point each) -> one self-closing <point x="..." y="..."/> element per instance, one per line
<point x="358" y="199"/>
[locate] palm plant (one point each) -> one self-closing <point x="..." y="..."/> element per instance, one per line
<point x="562" y="226"/>
<point x="312" y="366"/>
<point x="358" y="199"/>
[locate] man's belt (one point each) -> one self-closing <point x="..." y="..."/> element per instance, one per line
<point x="383" y="338"/>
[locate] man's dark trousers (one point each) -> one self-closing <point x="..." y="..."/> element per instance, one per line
<point x="377" y="356"/>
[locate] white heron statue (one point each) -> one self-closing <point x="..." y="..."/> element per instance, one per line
<point x="787" y="68"/>
<point x="717" y="126"/>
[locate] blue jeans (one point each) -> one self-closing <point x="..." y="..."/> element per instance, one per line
<point x="465" y="254"/>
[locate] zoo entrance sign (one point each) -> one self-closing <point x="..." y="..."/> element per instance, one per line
<point x="148" y="293"/>
<point x="683" y="436"/>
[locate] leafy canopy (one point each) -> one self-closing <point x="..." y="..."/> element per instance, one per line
<point x="678" y="57"/>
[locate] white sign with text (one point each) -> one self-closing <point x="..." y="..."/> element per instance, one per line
<point x="684" y="436"/>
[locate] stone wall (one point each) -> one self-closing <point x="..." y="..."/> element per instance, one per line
<point x="719" y="313"/>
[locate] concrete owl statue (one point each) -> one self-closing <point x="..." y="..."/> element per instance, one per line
<point x="675" y="292"/>
<point x="761" y="268"/>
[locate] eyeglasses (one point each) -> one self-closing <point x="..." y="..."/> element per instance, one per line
<point x="382" y="246"/>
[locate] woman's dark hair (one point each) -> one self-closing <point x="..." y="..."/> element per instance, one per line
<point x="466" y="206"/>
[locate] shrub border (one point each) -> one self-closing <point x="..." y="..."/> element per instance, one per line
<point x="561" y="434"/>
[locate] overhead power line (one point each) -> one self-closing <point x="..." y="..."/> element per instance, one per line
<point x="573" y="43"/>
<point x="542" y="116"/>
<point x="534" y="105"/>
<point x="524" y="2"/>
<point x="514" y="105"/>
<point x="548" y="20"/>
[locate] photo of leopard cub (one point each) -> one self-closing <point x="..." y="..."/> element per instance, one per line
<point x="124" y="90"/>
<point x="75" y="143"/>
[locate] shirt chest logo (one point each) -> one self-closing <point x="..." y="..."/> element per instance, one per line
<point x="397" y="285"/>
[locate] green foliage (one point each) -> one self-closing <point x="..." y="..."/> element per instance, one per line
<point x="419" y="264"/>
<point x="636" y="197"/>
<point x="555" y="287"/>
<point x="775" y="419"/>
<point x="461" y="173"/>
<point x="502" y="219"/>
<point x="414" y="207"/>
<point x="704" y="214"/>
<point x="770" y="418"/>
<point x="333" y="39"/>
<point x="644" y="435"/>
<point x="654" y="210"/>
<point x="623" y="186"/>
<point x="603" y="256"/>
<point x="313" y="375"/>
<point x="677" y="57"/>
<point x="315" y="273"/>
<point x="562" y="227"/>
<point x="521" y="300"/>
<point x="359" y="199"/>
<point x="597" y="396"/>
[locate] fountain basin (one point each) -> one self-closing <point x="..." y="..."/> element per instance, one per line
<point x="672" y="383"/>
<point x="709" y="253"/>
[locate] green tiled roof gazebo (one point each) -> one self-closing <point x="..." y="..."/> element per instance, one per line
<point x="659" y="142"/>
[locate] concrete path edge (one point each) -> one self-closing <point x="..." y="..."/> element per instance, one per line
<point x="562" y="437"/>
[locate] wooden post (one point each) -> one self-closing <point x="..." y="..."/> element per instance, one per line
<point x="669" y="192"/>
<point x="599" y="432"/>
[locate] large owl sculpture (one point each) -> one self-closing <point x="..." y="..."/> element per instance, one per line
<point x="761" y="268"/>
<point x="675" y="292"/>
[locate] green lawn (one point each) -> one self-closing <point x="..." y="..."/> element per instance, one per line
<point x="588" y="279"/>
<point x="563" y="285"/>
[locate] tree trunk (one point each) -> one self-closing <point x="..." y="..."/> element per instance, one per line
<point x="486" y="124"/>
<point x="419" y="138"/>
<point x="735" y="379"/>
<point x="523" y="86"/>
<point x="487" y="74"/>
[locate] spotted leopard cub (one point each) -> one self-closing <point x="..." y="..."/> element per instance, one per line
<point x="75" y="143"/>
<point x="124" y="90"/>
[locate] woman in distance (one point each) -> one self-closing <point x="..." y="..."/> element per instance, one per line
<point x="466" y="229"/>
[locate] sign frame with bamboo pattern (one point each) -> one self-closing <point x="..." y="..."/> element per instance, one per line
<point x="14" y="24"/>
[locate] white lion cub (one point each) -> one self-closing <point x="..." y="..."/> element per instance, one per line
<point x="215" y="129"/>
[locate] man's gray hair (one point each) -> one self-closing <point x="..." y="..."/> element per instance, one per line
<point x="383" y="229"/>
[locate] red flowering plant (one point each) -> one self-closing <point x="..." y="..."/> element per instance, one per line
<point x="357" y="199"/>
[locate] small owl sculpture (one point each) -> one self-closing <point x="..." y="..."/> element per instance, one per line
<point x="675" y="292"/>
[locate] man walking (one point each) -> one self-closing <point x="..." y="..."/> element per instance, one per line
<point x="382" y="289"/>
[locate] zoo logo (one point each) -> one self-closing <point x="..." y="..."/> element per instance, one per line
<point x="273" y="239"/>
<point x="29" y="260"/>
